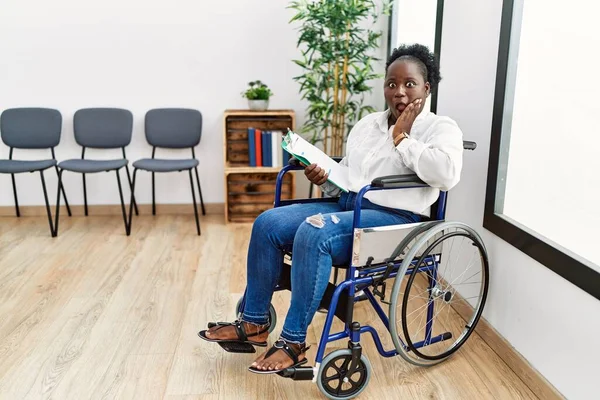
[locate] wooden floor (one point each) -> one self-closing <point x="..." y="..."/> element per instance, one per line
<point x="94" y="314"/>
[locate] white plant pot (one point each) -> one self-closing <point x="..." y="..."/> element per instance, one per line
<point x="258" y="104"/>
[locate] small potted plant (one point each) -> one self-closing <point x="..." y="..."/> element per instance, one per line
<point x="258" y="95"/>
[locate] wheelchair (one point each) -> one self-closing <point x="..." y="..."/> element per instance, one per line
<point x="416" y="260"/>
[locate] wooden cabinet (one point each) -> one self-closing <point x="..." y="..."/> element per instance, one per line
<point x="251" y="190"/>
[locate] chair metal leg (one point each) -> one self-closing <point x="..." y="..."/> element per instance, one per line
<point x="153" y="197"/>
<point x="52" y="232"/>
<point x="130" y="187"/>
<point x="131" y="202"/>
<point x="85" y="196"/>
<point x="122" y="203"/>
<point x="62" y="189"/>
<point x="200" y="191"/>
<point x="14" y="185"/>
<point x="57" y="211"/>
<point x="194" y="201"/>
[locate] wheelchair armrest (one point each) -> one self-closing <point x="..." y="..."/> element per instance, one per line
<point x="398" y="181"/>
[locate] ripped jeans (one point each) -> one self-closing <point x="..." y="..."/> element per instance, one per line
<point x="314" y="249"/>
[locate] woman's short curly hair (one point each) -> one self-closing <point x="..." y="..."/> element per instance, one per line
<point x="425" y="59"/>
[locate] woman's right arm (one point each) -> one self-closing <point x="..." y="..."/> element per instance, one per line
<point x="329" y="188"/>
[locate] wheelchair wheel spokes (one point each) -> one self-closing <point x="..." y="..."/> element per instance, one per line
<point x="437" y="305"/>
<point x="335" y="379"/>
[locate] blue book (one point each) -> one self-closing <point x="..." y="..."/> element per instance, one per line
<point x="251" y="148"/>
<point x="265" y="150"/>
<point x="269" y="148"/>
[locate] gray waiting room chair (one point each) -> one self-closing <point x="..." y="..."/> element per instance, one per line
<point x="31" y="128"/>
<point x="100" y="128"/>
<point x="171" y="128"/>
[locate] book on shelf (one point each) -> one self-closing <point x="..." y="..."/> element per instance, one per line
<point x="308" y="154"/>
<point x="264" y="149"/>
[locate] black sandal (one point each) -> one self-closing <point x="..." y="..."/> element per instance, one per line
<point x="282" y="345"/>
<point x="242" y="336"/>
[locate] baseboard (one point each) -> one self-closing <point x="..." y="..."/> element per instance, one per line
<point x="115" y="209"/>
<point x="511" y="357"/>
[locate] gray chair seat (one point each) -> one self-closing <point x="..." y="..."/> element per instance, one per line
<point x="91" y="166"/>
<point x="19" y="166"/>
<point x="165" y="165"/>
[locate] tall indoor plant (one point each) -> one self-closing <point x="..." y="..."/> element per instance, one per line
<point x="337" y="41"/>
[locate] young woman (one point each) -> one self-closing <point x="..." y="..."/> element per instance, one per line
<point x="404" y="139"/>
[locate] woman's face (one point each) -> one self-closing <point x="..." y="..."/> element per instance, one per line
<point x="404" y="83"/>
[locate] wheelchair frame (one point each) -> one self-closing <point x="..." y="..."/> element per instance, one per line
<point x="361" y="278"/>
<point x="339" y="298"/>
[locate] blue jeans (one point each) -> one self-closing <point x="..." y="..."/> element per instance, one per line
<point x="314" y="250"/>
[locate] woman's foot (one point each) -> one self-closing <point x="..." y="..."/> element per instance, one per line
<point x="279" y="359"/>
<point x="238" y="331"/>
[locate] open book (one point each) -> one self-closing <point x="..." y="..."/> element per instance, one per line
<point x="309" y="154"/>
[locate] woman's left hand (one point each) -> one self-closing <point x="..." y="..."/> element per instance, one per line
<point x="405" y="120"/>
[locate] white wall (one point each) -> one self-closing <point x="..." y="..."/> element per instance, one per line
<point x="552" y="323"/>
<point x="140" y="54"/>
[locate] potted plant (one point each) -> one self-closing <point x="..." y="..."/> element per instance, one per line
<point x="258" y="95"/>
<point x="337" y="41"/>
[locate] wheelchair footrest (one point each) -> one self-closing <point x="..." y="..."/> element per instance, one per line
<point x="237" y="347"/>
<point x="298" y="373"/>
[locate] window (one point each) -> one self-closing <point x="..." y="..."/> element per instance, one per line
<point x="544" y="172"/>
<point x="417" y="21"/>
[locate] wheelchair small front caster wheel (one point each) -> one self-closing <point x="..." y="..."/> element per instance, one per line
<point x="335" y="380"/>
<point x="272" y="314"/>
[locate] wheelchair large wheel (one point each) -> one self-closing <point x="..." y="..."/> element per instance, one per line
<point x="439" y="293"/>
<point x="272" y="314"/>
<point x="334" y="379"/>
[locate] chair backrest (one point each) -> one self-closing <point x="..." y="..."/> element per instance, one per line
<point x="31" y="128"/>
<point x="103" y="128"/>
<point x="174" y="128"/>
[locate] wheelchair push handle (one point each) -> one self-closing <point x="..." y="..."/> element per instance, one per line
<point x="468" y="145"/>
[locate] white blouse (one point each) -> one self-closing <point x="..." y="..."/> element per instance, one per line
<point x="433" y="151"/>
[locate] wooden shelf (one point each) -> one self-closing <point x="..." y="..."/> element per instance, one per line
<point x="253" y="113"/>
<point x="245" y="169"/>
<point x="251" y="190"/>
